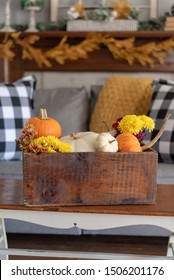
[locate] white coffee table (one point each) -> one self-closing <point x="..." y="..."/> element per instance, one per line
<point x="85" y="217"/>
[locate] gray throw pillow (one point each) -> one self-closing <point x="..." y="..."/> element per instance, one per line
<point x="95" y="91"/>
<point x="68" y="105"/>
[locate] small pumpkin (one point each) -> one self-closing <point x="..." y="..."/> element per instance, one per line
<point x="127" y="142"/>
<point x="105" y="142"/>
<point x="81" y="141"/>
<point x="45" y="125"/>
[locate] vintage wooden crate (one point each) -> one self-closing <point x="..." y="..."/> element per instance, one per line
<point x="90" y="178"/>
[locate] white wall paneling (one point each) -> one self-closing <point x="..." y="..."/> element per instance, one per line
<point x="19" y="16"/>
<point x="164" y="6"/>
<point x="147" y="8"/>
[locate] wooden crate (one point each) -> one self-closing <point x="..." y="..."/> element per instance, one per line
<point x="91" y="25"/>
<point x="90" y="178"/>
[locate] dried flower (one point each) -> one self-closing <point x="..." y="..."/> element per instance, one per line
<point x="28" y="134"/>
<point x="76" y="11"/>
<point x="29" y="143"/>
<point x="121" y="9"/>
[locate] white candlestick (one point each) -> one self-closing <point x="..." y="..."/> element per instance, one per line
<point x="6" y="70"/>
<point x="54" y="10"/>
<point x="32" y="19"/>
<point x="153" y="8"/>
<point x="7" y="27"/>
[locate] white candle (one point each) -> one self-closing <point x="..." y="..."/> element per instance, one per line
<point x="7" y="27"/>
<point x="7" y="13"/>
<point x="80" y="2"/>
<point x="54" y="10"/>
<point x="153" y="8"/>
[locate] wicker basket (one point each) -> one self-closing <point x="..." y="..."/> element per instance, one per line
<point x="90" y="178"/>
<point x="90" y="25"/>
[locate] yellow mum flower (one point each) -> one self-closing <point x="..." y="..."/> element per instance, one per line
<point x="130" y="124"/>
<point x="49" y="144"/>
<point x="148" y="122"/>
<point x="65" y="147"/>
<point x="135" y="124"/>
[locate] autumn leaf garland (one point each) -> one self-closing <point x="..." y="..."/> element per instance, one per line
<point x="123" y="49"/>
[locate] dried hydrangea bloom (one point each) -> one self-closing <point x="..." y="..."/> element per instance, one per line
<point x="28" y="134"/>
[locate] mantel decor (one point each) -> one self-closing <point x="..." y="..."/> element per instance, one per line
<point x="7" y="26"/>
<point x="32" y="6"/>
<point x="91" y="25"/>
<point x="121" y="49"/>
<point x="117" y="17"/>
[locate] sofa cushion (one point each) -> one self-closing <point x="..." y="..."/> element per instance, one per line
<point x="15" y="109"/>
<point x="163" y="103"/>
<point x="121" y="95"/>
<point x="68" y="105"/>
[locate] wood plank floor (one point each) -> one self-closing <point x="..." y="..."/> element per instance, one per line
<point x="113" y="244"/>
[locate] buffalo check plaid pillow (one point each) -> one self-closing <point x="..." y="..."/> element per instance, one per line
<point x="15" y="109"/>
<point x="163" y="102"/>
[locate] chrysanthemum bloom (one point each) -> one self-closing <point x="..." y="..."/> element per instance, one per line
<point x="148" y="122"/>
<point x="130" y="124"/>
<point x="134" y="124"/>
<point x="49" y="144"/>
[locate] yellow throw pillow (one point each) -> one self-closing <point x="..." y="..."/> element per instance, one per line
<point x="120" y="96"/>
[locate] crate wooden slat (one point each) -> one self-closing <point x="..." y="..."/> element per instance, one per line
<point x="91" y="25"/>
<point x="90" y="178"/>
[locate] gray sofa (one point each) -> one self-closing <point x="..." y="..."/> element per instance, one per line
<point x="74" y="116"/>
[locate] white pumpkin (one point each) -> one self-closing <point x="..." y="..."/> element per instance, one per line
<point x="81" y="141"/>
<point x="105" y="142"/>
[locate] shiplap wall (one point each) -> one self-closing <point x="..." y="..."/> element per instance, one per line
<point x="18" y="16"/>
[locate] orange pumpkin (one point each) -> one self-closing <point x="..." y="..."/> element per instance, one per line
<point x="45" y="126"/>
<point x="127" y="142"/>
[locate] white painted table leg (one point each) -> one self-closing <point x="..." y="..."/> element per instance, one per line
<point x="3" y="240"/>
<point x="170" y="248"/>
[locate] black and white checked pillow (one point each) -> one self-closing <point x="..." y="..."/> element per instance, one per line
<point x="163" y="102"/>
<point x="16" y="102"/>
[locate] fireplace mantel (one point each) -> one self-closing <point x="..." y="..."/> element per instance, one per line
<point x="97" y="61"/>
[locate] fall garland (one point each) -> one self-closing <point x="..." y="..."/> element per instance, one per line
<point x="126" y="50"/>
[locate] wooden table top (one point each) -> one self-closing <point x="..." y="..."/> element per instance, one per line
<point x="11" y="197"/>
